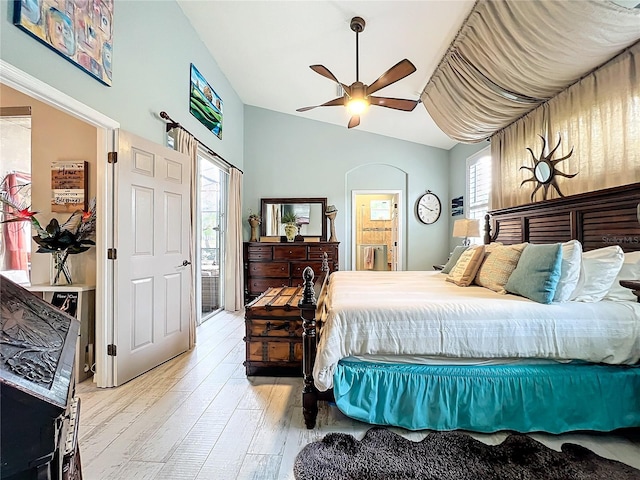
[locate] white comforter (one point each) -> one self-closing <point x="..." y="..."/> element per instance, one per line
<point x="418" y="313"/>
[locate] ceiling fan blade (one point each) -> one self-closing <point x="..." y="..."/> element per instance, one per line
<point x="395" y="73"/>
<point x="395" y="103"/>
<point x="324" y="71"/>
<point x="354" y="121"/>
<point x="331" y="103"/>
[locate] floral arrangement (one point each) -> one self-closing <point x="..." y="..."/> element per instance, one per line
<point x="254" y="216"/>
<point x="71" y="237"/>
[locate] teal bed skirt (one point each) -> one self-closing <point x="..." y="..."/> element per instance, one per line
<point x="552" y="398"/>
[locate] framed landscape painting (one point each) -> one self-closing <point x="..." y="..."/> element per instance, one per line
<point x="204" y="103"/>
<point x="79" y="30"/>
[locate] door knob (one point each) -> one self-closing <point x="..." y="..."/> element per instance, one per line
<point x="185" y="263"/>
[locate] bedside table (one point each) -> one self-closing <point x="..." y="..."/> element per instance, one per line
<point x="634" y="285"/>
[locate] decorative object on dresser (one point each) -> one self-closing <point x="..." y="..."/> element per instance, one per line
<point x="274" y="333"/>
<point x="331" y="213"/>
<point x="281" y="264"/>
<point x="39" y="412"/>
<point x="545" y="169"/>
<point x="254" y="221"/>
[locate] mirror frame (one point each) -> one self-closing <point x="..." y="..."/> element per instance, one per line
<point x="321" y="200"/>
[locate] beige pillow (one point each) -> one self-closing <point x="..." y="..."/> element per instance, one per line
<point x="466" y="267"/>
<point x="498" y="266"/>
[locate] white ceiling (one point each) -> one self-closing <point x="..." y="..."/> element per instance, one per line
<point x="265" y="48"/>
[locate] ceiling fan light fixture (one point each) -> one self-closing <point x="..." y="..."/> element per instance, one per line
<point x="356" y="106"/>
<point x="357" y="97"/>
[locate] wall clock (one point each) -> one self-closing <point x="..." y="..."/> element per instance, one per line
<point x="428" y="208"/>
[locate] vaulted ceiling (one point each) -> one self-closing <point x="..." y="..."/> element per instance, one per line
<point x="265" y="48"/>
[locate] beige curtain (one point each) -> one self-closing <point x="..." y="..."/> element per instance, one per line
<point x="598" y="117"/>
<point x="511" y="56"/>
<point x="187" y="144"/>
<point x="233" y="272"/>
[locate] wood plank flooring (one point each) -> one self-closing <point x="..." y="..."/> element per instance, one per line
<point x="198" y="417"/>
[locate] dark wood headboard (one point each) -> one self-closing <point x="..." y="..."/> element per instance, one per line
<point x="597" y="219"/>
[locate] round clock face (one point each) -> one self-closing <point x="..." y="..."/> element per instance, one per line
<point x="428" y="208"/>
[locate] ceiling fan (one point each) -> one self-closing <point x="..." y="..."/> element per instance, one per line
<point x="358" y="96"/>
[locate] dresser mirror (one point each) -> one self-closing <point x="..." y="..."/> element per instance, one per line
<point x="309" y="213"/>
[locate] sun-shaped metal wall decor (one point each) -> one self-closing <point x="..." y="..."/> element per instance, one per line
<point x="544" y="170"/>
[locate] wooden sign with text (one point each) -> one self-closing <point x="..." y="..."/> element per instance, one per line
<point x="69" y="183"/>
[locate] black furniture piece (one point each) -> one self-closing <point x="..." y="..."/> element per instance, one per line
<point x="39" y="413"/>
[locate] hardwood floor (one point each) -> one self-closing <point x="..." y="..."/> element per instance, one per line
<point x="199" y="417"/>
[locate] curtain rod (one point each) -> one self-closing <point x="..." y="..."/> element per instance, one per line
<point x="173" y="124"/>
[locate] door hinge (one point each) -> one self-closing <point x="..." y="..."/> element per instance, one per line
<point x="111" y="350"/>
<point x="112" y="157"/>
<point x="112" y="254"/>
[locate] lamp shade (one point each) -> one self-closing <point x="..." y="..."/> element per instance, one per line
<point x="466" y="227"/>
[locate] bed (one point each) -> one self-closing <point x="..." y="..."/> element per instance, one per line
<point x="412" y="350"/>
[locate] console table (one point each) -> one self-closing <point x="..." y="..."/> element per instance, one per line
<point x="281" y="264"/>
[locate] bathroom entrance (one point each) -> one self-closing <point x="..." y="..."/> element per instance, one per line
<point x="375" y="223"/>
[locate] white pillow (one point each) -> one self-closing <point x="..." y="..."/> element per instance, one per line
<point x="569" y="270"/>
<point x="599" y="270"/>
<point x="630" y="271"/>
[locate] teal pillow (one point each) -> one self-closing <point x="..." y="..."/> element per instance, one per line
<point x="453" y="259"/>
<point x="537" y="274"/>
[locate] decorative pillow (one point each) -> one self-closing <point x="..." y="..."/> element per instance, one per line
<point x="599" y="270"/>
<point x="537" y="273"/>
<point x="455" y="255"/>
<point x="498" y="265"/>
<point x="569" y="270"/>
<point x="465" y="269"/>
<point x="630" y="271"/>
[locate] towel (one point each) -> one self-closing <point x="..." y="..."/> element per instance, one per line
<point x="369" y="257"/>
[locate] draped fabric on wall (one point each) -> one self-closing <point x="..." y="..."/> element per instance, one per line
<point x="186" y="143"/>
<point x="544" y="47"/>
<point x="16" y="235"/>
<point x="599" y="117"/>
<point x="233" y="277"/>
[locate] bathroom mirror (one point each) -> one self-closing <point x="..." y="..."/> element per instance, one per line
<point x="309" y="213"/>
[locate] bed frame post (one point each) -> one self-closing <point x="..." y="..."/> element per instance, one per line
<point x="487" y="229"/>
<point x="308" y="313"/>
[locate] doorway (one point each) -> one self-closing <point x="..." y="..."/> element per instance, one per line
<point x="15" y="186"/>
<point x="213" y="180"/>
<point x="376" y="243"/>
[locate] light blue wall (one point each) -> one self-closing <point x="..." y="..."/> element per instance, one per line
<point x="457" y="172"/>
<point x="154" y="45"/>
<point x="289" y="156"/>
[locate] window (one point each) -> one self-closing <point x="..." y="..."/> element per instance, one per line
<point x="478" y="190"/>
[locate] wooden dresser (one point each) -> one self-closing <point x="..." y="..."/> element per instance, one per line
<point x="281" y="264"/>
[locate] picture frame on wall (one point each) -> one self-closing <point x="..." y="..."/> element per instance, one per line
<point x="204" y="103"/>
<point x="69" y="185"/>
<point x="457" y="206"/>
<point x="80" y="31"/>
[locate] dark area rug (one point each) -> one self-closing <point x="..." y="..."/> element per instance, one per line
<point x="382" y="454"/>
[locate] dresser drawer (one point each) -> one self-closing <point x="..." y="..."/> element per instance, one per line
<point x="283" y="252"/>
<point x="259" y="253"/>
<point x="316" y="251"/>
<point x="269" y="269"/>
<point x="259" y="285"/>
<point x="298" y="267"/>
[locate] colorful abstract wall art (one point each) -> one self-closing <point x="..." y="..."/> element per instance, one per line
<point x="204" y="103"/>
<point x="79" y="30"/>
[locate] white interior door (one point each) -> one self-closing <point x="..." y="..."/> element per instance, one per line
<point x="151" y="301"/>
